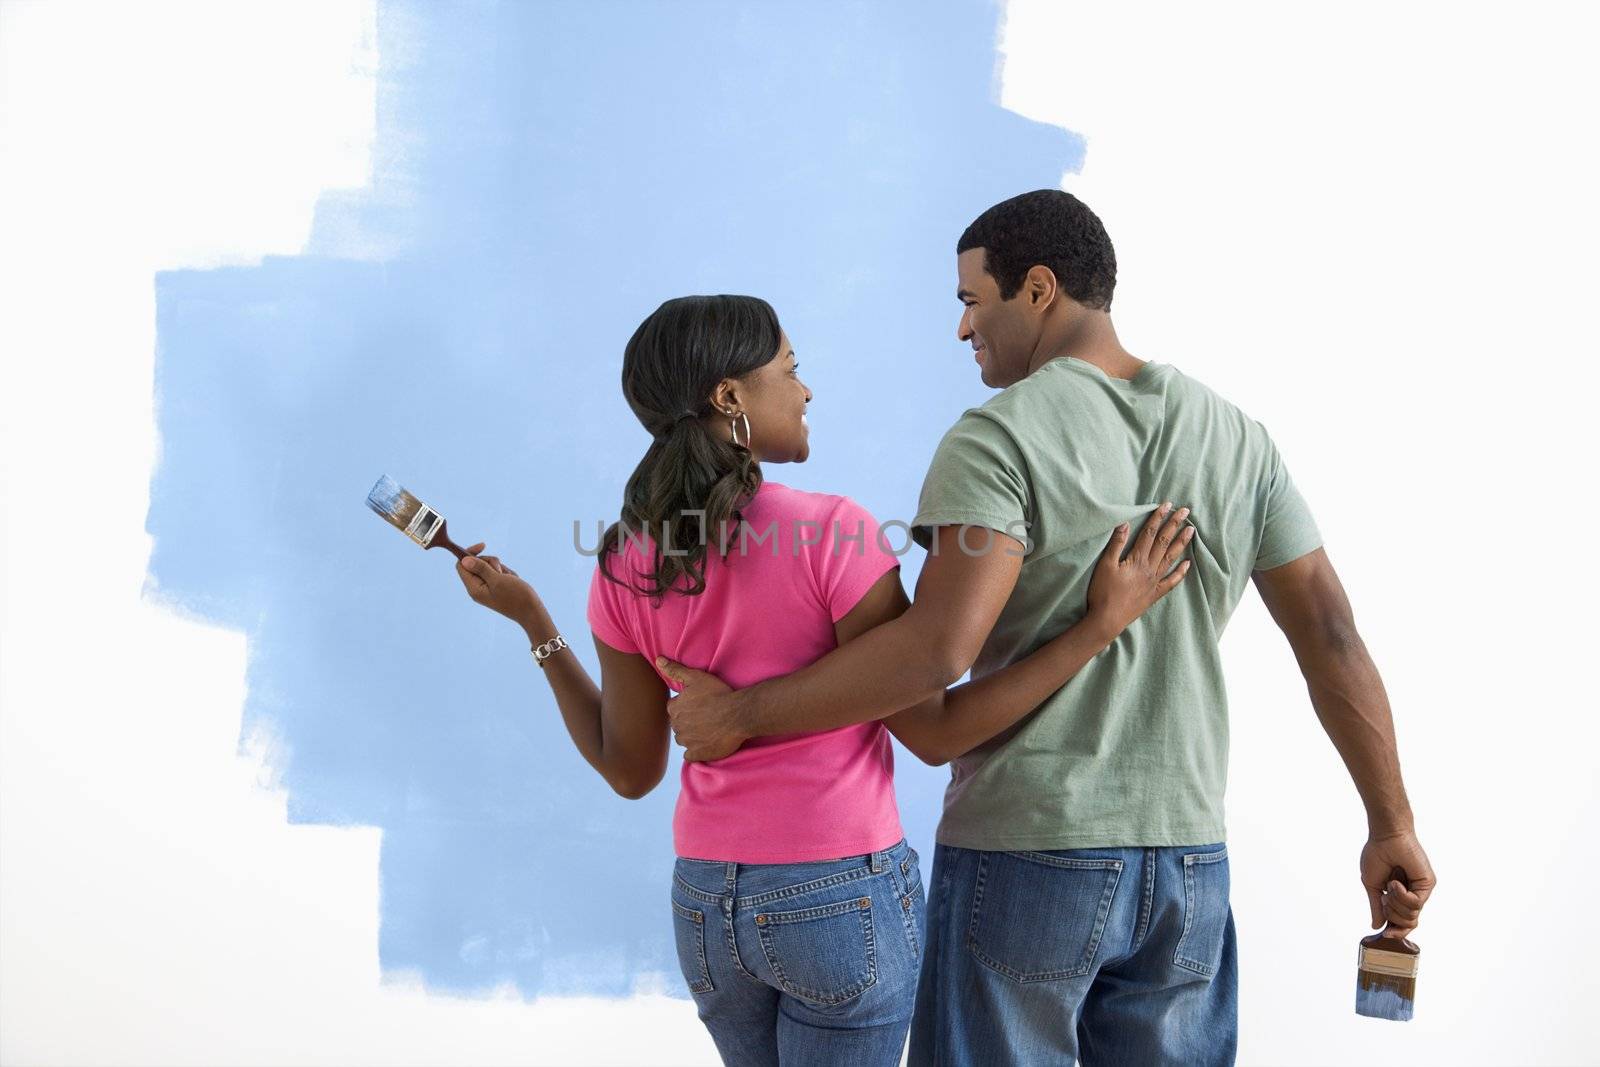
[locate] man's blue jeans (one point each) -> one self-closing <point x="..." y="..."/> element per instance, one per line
<point x="803" y="963"/>
<point x="1114" y="955"/>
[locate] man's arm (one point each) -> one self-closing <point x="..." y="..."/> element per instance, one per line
<point x="904" y="661"/>
<point x="954" y="721"/>
<point x="1309" y="605"/>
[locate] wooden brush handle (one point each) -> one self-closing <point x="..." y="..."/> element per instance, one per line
<point x="442" y="540"/>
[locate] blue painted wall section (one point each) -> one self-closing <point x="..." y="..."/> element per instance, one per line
<point x="568" y="167"/>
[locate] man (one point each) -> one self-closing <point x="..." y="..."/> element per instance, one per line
<point x="1079" y="900"/>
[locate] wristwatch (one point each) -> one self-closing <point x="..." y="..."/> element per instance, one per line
<point x="548" y="649"/>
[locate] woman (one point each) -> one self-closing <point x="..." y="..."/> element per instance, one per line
<point x="797" y="903"/>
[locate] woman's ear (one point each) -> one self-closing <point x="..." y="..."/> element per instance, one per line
<point x="725" y="397"/>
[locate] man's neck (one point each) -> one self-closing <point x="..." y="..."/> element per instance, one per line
<point x="1092" y="339"/>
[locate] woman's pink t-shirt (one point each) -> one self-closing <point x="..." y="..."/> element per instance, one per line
<point x="768" y="610"/>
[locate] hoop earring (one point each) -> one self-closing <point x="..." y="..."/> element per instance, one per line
<point x="733" y="430"/>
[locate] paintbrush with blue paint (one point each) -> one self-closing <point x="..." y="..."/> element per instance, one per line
<point x="1386" y="978"/>
<point x="411" y="516"/>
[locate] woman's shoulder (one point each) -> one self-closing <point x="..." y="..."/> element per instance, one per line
<point x="805" y="503"/>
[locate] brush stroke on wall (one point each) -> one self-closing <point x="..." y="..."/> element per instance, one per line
<point x="565" y="167"/>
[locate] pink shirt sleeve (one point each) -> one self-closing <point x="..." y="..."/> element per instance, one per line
<point x="849" y="557"/>
<point x="606" y="616"/>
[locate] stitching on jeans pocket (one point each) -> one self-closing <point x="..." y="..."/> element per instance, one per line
<point x="825" y="955"/>
<point x="1067" y="899"/>
<point x="689" y="928"/>
<point x="1205" y="912"/>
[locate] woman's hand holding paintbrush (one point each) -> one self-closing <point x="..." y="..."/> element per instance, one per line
<point x="496" y="586"/>
<point x="630" y="752"/>
<point x="499" y="588"/>
<point x="488" y="581"/>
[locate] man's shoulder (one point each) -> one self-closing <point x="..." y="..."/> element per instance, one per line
<point x="1192" y="394"/>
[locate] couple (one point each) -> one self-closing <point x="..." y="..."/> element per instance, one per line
<point x="1078" y="904"/>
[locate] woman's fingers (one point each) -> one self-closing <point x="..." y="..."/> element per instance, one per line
<point x="1172" y="579"/>
<point x="1175" y="551"/>
<point x="475" y="583"/>
<point x="1147" y="535"/>
<point x="1168" y="534"/>
<point x="1113" y="550"/>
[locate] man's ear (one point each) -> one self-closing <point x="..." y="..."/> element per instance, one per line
<point x="1040" y="286"/>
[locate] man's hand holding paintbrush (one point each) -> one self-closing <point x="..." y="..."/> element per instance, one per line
<point x="1391" y="900"/>
<point x="1399" y="880"/>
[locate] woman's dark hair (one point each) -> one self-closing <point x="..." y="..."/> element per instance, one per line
<point x="671" y="365"/>
<point x="1051" y="228"/>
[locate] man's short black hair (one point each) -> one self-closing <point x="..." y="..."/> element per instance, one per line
<point x="1050" y="228"/>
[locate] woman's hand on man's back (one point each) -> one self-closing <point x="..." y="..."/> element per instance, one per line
<point x="1123" y="588"/>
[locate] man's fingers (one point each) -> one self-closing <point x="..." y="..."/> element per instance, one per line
<point x="1403" y="907"/>
<point x="1375" y="901"/>
<point x="674" y="670"/>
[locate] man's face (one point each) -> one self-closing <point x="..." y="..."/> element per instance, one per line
<point x="1001" y="331"/>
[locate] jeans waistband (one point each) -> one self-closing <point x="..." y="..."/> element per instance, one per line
<point x="778" y="880"/>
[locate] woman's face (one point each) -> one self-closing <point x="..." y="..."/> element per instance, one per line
<point x="774" y="399"/>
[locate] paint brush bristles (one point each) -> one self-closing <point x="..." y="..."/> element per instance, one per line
<point x="404" y="511"/>
<point x="1386" y="982"/>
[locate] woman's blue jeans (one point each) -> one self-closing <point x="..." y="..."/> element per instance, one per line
<point x="803" y="963"/>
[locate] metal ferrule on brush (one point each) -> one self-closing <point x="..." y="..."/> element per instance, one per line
<point x="402" y="510"/>
<point x="1382" y="961"/>
<point x="423" y="525"/>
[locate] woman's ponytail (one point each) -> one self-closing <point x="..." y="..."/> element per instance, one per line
<point x="691" y="480"/>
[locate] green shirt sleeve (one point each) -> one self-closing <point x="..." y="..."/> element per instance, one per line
<point x="1287" y="528"/>
<point x="978" y="477"/>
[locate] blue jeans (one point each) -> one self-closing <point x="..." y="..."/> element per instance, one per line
<point x="802" y="963"/>
<point x="1117" y="955"/>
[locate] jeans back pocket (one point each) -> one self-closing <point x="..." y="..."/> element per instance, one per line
<point x="1038" y="917"/>
<point x="825" y="954"/>
<point x="1205" y="911"/>
<point x="689" y="930"/>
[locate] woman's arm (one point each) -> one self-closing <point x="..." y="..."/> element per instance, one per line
<point x="956" y="720"/>
<point x="620" y="727"/>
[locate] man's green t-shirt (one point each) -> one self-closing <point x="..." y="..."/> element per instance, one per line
<point x="1133" y="750"/>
